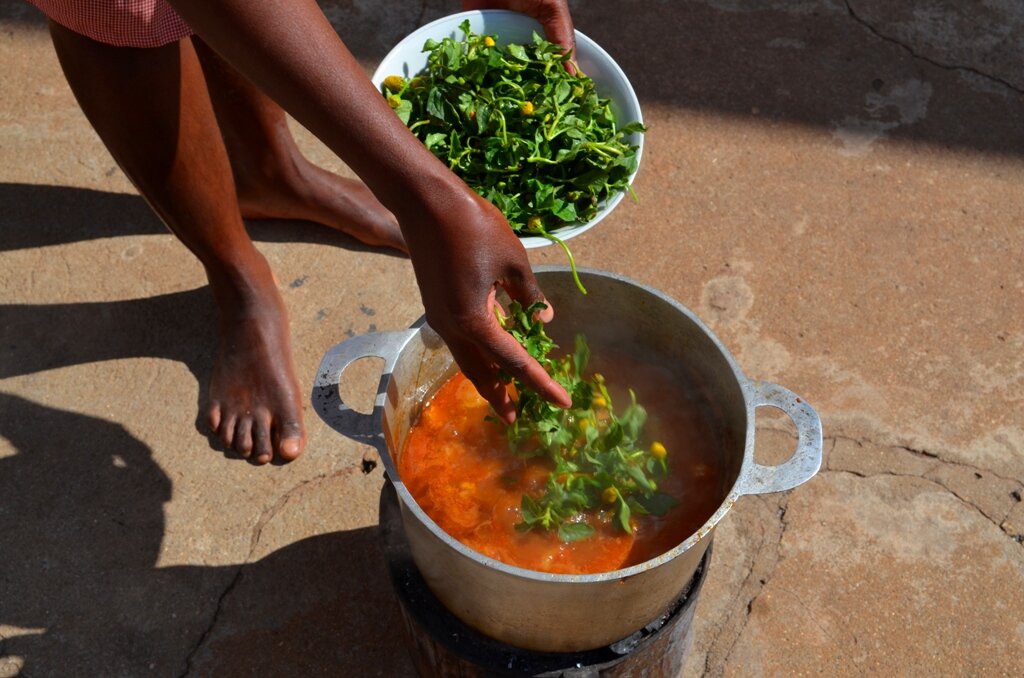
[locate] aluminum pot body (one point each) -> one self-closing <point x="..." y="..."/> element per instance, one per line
<point x="564" y="613"/>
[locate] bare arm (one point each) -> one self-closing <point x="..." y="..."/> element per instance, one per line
<point x="461" y="246"/>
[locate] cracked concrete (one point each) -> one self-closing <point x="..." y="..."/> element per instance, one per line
<point x="213" y="620"/>
<point x="990" y="494"/>
<point x="833" y="186"/>
<point x="1009" y="21"/>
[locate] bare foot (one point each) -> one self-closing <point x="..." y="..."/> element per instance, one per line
<point x="254" y="405"/>
<point x="310" y="193"/>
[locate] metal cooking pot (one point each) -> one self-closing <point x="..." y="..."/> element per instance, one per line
<point x="557" y="612"/>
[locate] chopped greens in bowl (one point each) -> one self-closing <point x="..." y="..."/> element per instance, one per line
<point x="541" y="143"/>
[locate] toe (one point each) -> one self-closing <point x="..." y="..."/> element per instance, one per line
<point x="226" y="432"/>
<point x="243" y="436"/>
<point x="213" y="417"/>
<point x="291" y="440"/>
<point x="262" y="450"/>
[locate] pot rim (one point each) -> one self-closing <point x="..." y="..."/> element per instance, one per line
<point x="624" y="573"/>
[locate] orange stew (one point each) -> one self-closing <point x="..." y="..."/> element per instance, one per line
<point x="459" y="469"/>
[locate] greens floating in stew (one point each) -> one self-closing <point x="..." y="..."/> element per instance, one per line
<point x="600" y="463"/>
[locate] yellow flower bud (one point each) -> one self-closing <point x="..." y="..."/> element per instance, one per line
<point x="394" y="83"/>
<point x="658" y="450"/>
<point x="609" y="495"/>
<point x="489" y="41"/>
<point x="526" y="108"/>
<point x="394" y="101"/>
<point x="599" y="401"/>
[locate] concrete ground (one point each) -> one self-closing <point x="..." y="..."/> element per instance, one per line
<point x="836" y="188"/>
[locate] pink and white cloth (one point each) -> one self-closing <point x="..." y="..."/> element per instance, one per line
<point x="123" y="23"/>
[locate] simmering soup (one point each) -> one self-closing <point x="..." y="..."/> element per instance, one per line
<point x="459" y="468"/>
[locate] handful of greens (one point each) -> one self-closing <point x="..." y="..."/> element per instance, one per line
<point x="520" y="130"/>
<point x="597" y="454"/>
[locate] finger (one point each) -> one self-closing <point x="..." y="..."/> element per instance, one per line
<point x="522" y="286"/>
<point x="497" y="309"/>
<point x="558" y="26"/>
<point x="509" y="355"/>
<point x="548" y="314"/>
<point x="553" y="15"/>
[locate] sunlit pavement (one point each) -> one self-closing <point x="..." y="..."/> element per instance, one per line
<point x="835" y="188"/>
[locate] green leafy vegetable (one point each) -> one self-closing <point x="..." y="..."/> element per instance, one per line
<point x="519" y="129"/>
<point x="599" y="461"/>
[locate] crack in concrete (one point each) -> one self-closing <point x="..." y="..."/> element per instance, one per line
<point x="282" y="501"/>
<point x="810" y="613"/>
<point x="920" y="452"/>
<point x="929" y="475"/>
<point x="716" y="668"/>
<point x="783" y="502"/>
<point x="720" y="628"/>
<point x="213" y="622"/>
<point x="257" y="531"/>
<point x="269" y="514"/>
<point x="948" y="67"/>
<point x="997" y="522"/>
<point x="747" y="607"/>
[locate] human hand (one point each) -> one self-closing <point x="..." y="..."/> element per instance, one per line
<point x="553" y="15"/>
<point x="460" y="245"/>
<point x="459" y="264"/>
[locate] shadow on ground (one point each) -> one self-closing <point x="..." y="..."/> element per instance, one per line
<point x="81" y="523"/>
<point x="78" y="582"/>
<point x="862" y="67"/>
<point x="176" y="326"/>
<point x="81" y="499"/>
<point x="38" y="216"/>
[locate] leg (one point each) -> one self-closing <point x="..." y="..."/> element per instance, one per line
<point x="273" y="178"/>
<point x="152" y="110"/>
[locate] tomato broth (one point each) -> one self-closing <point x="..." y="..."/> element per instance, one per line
<point x="459" y="469"/>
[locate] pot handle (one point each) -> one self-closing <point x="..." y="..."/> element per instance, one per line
<point x="806" y="460"/>
<point x="363" y="428"/>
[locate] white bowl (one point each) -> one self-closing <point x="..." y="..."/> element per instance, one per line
<point x="407" y="58"/>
